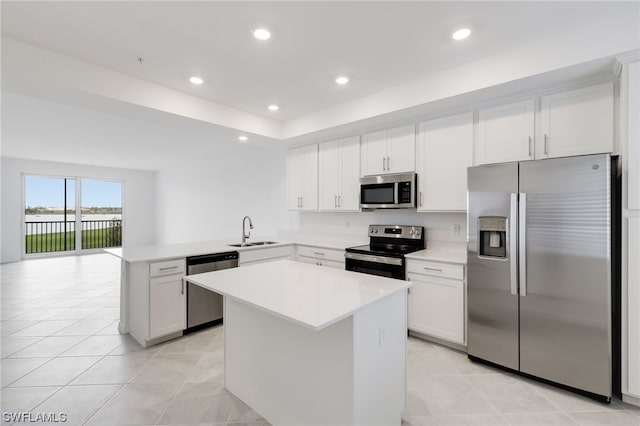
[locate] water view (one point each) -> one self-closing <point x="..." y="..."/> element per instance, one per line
<point x="48" y="229"/>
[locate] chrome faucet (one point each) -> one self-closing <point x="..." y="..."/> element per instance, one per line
<point x="246" y="235"/>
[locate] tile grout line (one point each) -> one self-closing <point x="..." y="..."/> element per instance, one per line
<point x="505" y="420"/>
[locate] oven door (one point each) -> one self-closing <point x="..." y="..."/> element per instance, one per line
<point x="390" y="267"/>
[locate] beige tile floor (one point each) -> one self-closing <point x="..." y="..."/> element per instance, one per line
<point x="61" y="353"/>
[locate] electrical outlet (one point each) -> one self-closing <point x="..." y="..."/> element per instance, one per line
<point x="382" y="331"/>
<point x="455" y="229"/>
<point x="347" y="224"/>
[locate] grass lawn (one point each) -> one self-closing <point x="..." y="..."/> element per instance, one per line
<point x="94" y="238"/>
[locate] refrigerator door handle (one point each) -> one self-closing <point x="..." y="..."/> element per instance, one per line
<point x="513" y="243"/>
<point x="522" y="243"/>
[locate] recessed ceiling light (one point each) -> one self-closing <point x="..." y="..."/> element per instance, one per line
<point x="342" y="80"/>
<point x="243" y="138"/>
<point x="261" y="34"/>
<point x="461" y="34"/>
<point x="273" y="107"/>
<point x="196" y="80"/>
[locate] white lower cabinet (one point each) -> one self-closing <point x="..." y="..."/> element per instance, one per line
<point x="262" y="255"/>
<point x="437" y="300"/>
<point x="157" y="300"/>
<point x="167" y="306"/>
<point x="320" y="256"/>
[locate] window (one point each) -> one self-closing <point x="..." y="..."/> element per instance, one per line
<point x="55" y="208"/>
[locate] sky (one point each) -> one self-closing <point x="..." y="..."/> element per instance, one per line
<point x="49" y="192"/>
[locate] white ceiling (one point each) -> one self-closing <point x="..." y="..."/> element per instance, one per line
<point x="73" y="90"/>
<point x="39" y="129"/>
<point x="377" y="44"/>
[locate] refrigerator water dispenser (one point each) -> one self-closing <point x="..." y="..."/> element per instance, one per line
<point x="493" y="236"/>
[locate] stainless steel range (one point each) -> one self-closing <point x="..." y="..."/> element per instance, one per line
<point x="384" y="255"/>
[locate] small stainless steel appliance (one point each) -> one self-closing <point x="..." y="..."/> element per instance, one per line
<point x="204" y="307"/>
<point x="384" y="255"/>
<point x="543" y="285"/>
<point x="396" y="191"/>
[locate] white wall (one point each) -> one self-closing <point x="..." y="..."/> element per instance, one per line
<point x="139" y="200"/>
<point x="207" y="198"/>
<point x="439" y="226"/>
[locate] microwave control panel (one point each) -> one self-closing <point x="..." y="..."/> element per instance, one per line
<point x="404" y="192"/>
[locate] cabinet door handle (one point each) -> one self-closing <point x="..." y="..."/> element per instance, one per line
<point x="384" y="163"/>
<point x="335" y="201"/>
<point x="432" y="269"/>
<point x="388" y="163"/>
<point x="168" y="268"/>
<point x="339" y="201"/>
<point x="546" y="144"/>
<point x="420" y="198"/>
<point x="182" y="289"/>
<point x="301" y="202"/>
<point x="319" y="253"/>
<point x="530" y="145"/>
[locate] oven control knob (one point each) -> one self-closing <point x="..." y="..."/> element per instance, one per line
<point x="375" y="230"/>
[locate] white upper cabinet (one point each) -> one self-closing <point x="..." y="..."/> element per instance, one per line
<point x="339" y="175"/>
<point x="373" y="151"/>
<point x="388" y="151"/>
<point x="505" y="133"/>
<point x="302" y="178"/>
<point x="576" y="122"/>
<point x="402" y="150"/>
<point x="444" y="151"/>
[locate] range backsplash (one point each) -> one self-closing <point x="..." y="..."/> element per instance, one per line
<point x="450" y="227"/>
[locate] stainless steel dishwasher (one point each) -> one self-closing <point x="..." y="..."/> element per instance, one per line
<point x="204" y="307"/>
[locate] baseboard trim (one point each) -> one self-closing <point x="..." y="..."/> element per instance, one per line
<point x="631" y="399"/>
<point x="439" y="341"/>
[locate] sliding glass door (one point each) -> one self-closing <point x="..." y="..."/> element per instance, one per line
<point x="101" y="214"/>
<point x="66" y="215"/>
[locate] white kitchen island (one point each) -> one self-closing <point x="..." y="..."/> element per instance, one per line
<point x="306" y="345"/>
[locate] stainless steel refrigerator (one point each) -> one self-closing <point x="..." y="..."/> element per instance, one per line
<point x="541" y="294"/>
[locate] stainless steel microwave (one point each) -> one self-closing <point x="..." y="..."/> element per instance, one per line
<point x="397" y="191"/>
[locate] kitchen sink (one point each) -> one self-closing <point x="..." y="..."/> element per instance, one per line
<point x="257" y="243"/>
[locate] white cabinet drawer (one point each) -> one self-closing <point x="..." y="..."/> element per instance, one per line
<point x="321" y="253"/>
<point x="169" y="267"/>
<point x="437" y="269"/>
<point x="263" y="254"/>
<point x="322" y="262"/>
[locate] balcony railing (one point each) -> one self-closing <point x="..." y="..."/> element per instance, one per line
<point x="46" y="237"/>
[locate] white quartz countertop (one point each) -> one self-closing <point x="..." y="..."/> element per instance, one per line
<point x="300" y="292"/>
<point x="442" y="252"/>
<point x="153" y="253"/>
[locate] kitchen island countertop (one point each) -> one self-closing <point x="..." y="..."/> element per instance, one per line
<point x="300" y="292"/>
